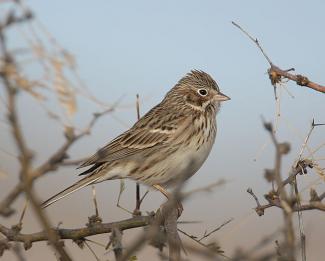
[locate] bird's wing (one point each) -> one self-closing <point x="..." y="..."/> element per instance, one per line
<point x="148" y="132"/>
<point x="126" y="145"/>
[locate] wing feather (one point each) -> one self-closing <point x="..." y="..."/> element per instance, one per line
<point x="126" y="145"/>
<point x="151" y="130"/>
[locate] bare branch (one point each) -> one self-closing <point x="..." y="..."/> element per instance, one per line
<point x="276" y="74"/>
<point x="254" y="40"/>
<point x="25" y="155"/>
<point x="77" y="233"/>
<point x="284" y="201"/>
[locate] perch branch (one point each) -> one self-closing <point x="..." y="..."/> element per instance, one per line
<point x="77" y="233"/>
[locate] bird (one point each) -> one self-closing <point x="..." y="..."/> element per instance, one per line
<point x="167" y="145"/>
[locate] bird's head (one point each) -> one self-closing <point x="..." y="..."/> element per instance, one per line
<point x="199" y="91"/>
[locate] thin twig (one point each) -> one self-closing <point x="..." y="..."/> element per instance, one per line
<point x="216" y="229"/>
<point x="95" y="200"/>
<point x="207" y="188"/>
<point x="301" y="223"/>
<point x="276" y="74"/>
<point x="95" y="242"/>
<point x="306" y="140"/>
<point x="138" y="200"/>
<point x="23" y="213"/>
<point x="92" y="251"/>
<point x="205" y="246"/>
<point x="254" y="40"/>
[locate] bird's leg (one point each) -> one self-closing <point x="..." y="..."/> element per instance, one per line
<point x="119" y="198"/>
<point x="123" y="208"/>
<point x="169" y="196"/>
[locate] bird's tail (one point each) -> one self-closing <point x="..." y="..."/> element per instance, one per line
<point x="76" y="186"/>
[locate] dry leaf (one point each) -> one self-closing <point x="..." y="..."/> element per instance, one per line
<point x="66" y="96"/>
<point x="23" y="82"/>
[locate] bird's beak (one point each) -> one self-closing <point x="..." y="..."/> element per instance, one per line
<point x="221" y="97"/>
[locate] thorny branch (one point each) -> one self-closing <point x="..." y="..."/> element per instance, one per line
<point x="166" y="216"/>
<point x="299" y="168"/>
<point x="279" y="197"/>
<point x="276" y="74"/>
<point x="74" y="234"/>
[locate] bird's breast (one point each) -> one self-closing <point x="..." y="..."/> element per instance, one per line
<point x="195" y="148"/>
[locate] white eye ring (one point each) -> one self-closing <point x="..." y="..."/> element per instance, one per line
<point x="202" y="92"/>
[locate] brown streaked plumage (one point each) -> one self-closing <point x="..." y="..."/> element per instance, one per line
<point x="167" y="144"/>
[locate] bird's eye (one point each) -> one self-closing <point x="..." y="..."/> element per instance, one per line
<point x="202" y="92"/>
